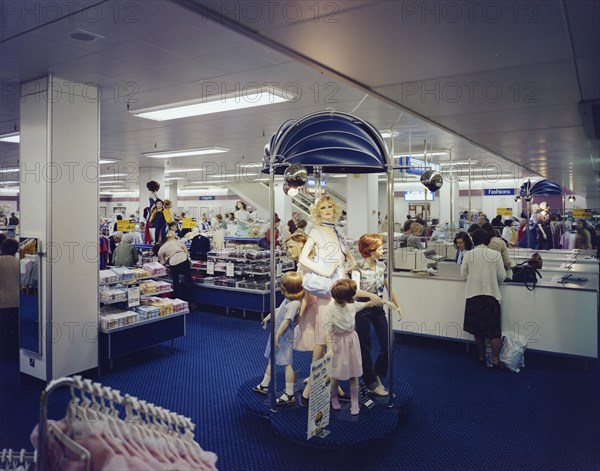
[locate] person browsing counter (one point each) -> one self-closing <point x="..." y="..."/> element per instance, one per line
<point x="174" y="253"/>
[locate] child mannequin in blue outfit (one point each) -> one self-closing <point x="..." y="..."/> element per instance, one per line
<point x="285" y="320"/>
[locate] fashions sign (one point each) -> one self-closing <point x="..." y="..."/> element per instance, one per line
<point x="499" y="192"/>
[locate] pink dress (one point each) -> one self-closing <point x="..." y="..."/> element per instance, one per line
<point x="347" y="361"/>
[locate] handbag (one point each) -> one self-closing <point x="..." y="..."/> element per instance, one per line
<point x="320" y="285"/>
<point x="525" y="273"/>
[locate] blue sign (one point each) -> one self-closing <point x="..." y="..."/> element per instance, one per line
<point x="416" y="166"/>
<point x="207" y="198"/>
<point x="418" y="196"/>
<point x="499" y="192"/>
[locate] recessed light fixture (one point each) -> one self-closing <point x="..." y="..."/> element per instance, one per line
<point x="186" y="152"/>
<point x="14" y="137"/>
<point x="408" y="154"/>
<point x="572" y="199"/>
<point x="182" y="170"/>
<point x="216" y="104"/>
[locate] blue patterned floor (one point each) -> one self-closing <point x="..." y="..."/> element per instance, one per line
<point x="462" y="416"/>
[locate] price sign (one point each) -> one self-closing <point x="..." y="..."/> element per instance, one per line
<point x="279" y="269"/>
<point x="188" y="223"/>
<point x="229" y="269"/>
<point x="125" y="226"/>
<point x="133" y="295"/>
<point x="210" y="268"/>
<point x="507" y="212"/>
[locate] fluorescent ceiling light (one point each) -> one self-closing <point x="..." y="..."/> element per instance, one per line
<point x="254" y="165"/>
<point x="217" y="104"/>
<point x="12" y="182"/>
<point x="186" y="152"/>
<point x="408" y="154"/>
<point x="170" y="179"/>
<point x="106" y="161"/>
<point x="386" y="134"/>
<point x="180" y="170"/>
<point x="9" y="170"/>
<point x="107" y="175"/>
<point x="13" y="137"/>
<point x="459" y="162"/>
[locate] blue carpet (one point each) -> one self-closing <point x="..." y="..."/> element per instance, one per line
<point x="462" y="416"/>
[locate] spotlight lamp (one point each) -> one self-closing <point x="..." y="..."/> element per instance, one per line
<point x="295" y="177"/>
<point x="432" y="180"/>
<point x="572" y="199"/>
<point x="517" y="199"/>
<point x="528" y="198"/>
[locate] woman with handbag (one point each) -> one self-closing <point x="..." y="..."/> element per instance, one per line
<point x="483" y="269"/>
<point x="325" y="267"/>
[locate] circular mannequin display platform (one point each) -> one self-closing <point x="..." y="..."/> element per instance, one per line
<point x="346" y="430"/>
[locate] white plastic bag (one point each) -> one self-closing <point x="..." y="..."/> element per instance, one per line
<point x="512" y="354"/>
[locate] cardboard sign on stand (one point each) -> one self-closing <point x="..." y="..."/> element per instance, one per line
<point x="320" y="395"/>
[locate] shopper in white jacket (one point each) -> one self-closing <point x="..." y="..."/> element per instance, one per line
<point x="483" y="269"/>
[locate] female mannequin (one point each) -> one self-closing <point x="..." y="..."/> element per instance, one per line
<point x="330" y="255"/>
<point x="242" y="219"/>
<point x="372" y="279"/>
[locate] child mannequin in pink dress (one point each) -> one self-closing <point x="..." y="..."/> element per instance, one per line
<point x="342" y="340"/>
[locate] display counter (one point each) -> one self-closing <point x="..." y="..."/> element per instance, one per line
<point x="554" y="317"/>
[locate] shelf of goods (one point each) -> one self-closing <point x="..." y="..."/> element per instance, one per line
<point x="244" y="273"/>
<point x="143" y="319"/>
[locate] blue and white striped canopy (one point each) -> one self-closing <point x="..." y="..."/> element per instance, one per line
<point x="541" y="188"/>
<point x="337" y="142"/>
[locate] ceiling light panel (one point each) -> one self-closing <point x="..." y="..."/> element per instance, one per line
<point x="228" y="102"/>
<point x="186" y="152"/>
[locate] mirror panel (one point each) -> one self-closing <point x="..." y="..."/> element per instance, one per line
<point x="29" y="301"/>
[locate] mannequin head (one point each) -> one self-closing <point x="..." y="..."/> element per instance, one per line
<point x="240" y="205"/>
<point x="325" y="209"/>
<point x="371" y="245"/>
<point x="159" y="205"/>
<point x="343" y="291"/>
<point x="294" y="245"/>
<point x="291" y="285"/>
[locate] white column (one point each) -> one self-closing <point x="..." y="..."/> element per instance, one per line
<point x="59" y="205"/>
<point x="362" y="204"/>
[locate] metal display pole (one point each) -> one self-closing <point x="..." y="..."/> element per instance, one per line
<point x="273" y="279"/>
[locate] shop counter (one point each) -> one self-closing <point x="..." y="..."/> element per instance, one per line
<point x="237" y="298"/>
<point x="121" y="341"/>
<point x="554" y="317"/>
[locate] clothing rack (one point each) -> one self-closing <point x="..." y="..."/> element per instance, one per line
<point x="17" y="460"/>
<point x="93" y="402"/>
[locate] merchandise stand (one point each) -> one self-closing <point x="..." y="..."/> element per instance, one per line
<point x="331" y="142"/>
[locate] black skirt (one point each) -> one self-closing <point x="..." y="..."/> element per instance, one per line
<point x="482" y="317"/>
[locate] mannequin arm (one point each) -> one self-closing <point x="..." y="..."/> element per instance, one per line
<point x="312" y="266"/>
<point x="284" y="325"/>
<point x="376" y="300"/>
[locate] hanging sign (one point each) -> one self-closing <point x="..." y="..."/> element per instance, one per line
<point x="188" y="223"/>
<point x="125" y="226"/>
<point x="207" y="198"/>
<point x="414" y="166"/>
<point x="499" y="192"/>
<point x="504" y="212"/>
<point x="581" y="213"/>
<point x="320" y="395"/>
<point x="133" y="295"/>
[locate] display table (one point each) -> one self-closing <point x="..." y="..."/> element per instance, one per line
<point x="131" y="338"/>
<point x="553" y="318"/>
<point x="238" y="298"/>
